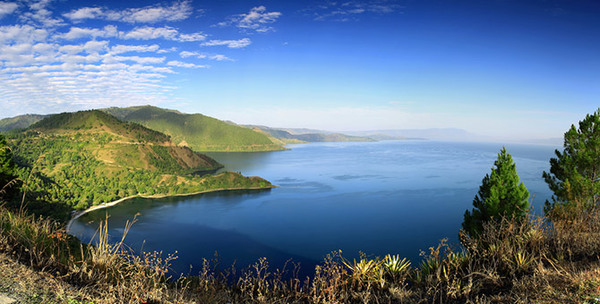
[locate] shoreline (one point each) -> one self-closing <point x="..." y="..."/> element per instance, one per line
<point x="78" y="214"/>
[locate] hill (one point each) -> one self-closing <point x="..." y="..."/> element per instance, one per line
<point x="19" y="122"/>
<point x="204" y="133"/>
<point x="76" y="160"/>
<point x="123" y="143"/>
<point x="307" y="135"/>
<point x="197" y="131"/>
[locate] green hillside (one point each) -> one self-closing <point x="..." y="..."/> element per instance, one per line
<point x="76" y="160"/>
<point x="197" y="131"/>
<point x="19" y="122"/>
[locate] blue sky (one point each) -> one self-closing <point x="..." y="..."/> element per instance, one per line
<point x="506" y="68"/>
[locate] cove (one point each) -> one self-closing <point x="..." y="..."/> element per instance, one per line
<point x="397" y="197"/>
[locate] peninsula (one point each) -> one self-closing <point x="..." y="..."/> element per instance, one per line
<point x="74" y="161"/>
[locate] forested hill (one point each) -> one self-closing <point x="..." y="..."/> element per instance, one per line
<point x="76" y="160"/>
<point x="95" y="121"/>
<point x="199" y="132"/>
<point x="122" y="143"/>
<point x="19" y="122"/>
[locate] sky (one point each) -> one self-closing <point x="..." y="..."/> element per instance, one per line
<point x="504" y="68"/>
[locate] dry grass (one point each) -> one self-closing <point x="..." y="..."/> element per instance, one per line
<point x="534" y="261"/>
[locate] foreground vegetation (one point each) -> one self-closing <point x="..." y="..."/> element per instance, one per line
<point x="507" y="255"/>
<point x="510" y="263"/>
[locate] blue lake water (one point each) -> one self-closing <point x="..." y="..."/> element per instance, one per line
<point x="396" y="197"/>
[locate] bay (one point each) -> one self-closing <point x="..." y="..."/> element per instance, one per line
<point x="397" y="197"/>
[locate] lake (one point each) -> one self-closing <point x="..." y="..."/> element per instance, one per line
<point x="397" y="197"/>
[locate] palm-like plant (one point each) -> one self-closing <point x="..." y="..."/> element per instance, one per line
<point x="395" y="266"/>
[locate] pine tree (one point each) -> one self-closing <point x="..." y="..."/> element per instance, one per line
<point x="7" y="166"/>
<point x="575" y="173"/>
<point x="500" y="195"/>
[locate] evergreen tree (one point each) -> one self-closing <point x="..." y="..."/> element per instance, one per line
<point x="500" y="194"/>
<point x="7" y="166"/>
<point x="575" y="173"/>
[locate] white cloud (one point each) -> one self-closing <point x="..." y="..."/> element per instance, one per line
<point x="38" y="74"/>
<point x="78" y="32"/>
<point x="49" y="64"/>
<point x="169" y="50"/>
<point x="186" y="65"/>
<point x="185" y="54"/>
<point x="150" y="14"/>
<point x="138" y="59"/>
<point x="148" y="32"/>
<point x="258" y="19"/>
<point x="233" y="44"/>
<point x="21" y="33"/>
<point x="7" y="8"/>
<point x="39" y="14"/>
<point x="166" y="32"/>
<point x="217" y="57"/>
<point x="120" y="48"/>
<point x="51" y="87"/>
<point x="84" y="13"/>
<point x="191" y="37"/>
<point x="91" y="46"/>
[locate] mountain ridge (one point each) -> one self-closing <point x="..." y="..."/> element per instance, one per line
<point x="198" y="131"/>
<point x="145" y="148"/>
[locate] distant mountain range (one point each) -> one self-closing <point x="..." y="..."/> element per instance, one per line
<point x="447" y="134"/>
<point x="204" y="133"/>
<point x="201" y="132"/>
<point x="290" y="135"/>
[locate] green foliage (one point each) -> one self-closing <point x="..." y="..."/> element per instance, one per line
<point x="7" y="166"/>
<point x="77" y="160"/>
<point x="574" y="175"/>
<point x="162" y="160"/>
<point x="61" y="172"/>
<point x="200" y="132"/>
<point x="500" y="195"/>
<point x="86" y="120"/>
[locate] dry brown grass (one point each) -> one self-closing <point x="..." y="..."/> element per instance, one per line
<point x="533" y="261"/>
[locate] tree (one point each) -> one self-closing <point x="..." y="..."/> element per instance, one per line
<point x="500" y="195"/>
<point x="7" y="166"/>
<point x="575" y="173"/>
